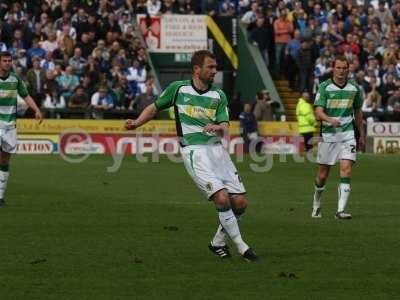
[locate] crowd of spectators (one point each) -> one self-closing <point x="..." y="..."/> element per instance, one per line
<point x="87" y="54"/>
<point x="299" y="40"/>
<point x="77" y="55"/>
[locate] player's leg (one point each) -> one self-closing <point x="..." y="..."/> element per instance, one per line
<point x="319" y="187"/>
<point x="238" y="204"/>
<point x="326" y="157"/>
<point x="199" y="167"/>
<point x="344" y="188"/>
<point x="4" y="174"/>
<point x="347" y="157"/>
<point x="230" y="224"/>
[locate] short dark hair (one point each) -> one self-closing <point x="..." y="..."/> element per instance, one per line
<point x="199" y="56"/>
<point x="340" y="58"/>
<point x="5" y="54"/>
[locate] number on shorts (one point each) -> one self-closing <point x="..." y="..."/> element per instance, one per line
<point x="353" y="148"/>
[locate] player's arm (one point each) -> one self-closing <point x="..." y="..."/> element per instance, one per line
<point x="164" y="101"/>
<point x="31" y="103"/>
<point x="23" y="93"/>
<point x="147" y="114"/>
<point x="219" y="129"/>
<point x="320" y="104"/>
<point x="358" y="118"/>
<point x="321" y="115"/>
<point x="221" y="125"/>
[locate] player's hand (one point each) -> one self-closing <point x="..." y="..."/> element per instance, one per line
<point x="334" y="122"/>
<point x="361" y="143"/>
<point x="39" y="116"/>
<point x="130" y="124"/>
<point x="212" y="128"/>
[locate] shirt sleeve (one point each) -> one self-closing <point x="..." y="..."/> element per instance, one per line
<point x="358" y="101"/>
<point x="21" y="88"/>
<point x="320" y="98"/>
<point x="167" y="98"/>
<point x="222" y="114"/>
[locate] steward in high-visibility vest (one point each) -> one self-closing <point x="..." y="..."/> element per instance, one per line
<point x="306" y="119"/>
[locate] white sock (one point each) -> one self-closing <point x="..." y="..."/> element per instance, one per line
<point x="3" y="182"/>
<point x="317" y="196"/>
<point x="344" y="193"/>
<point x="220" y="235"/>
<point x="231" y="227"/>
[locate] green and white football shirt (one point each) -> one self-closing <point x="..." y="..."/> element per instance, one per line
<point x="339" y="103"/>
<point x="10" y="88"/>
<point x="193" y="110"/>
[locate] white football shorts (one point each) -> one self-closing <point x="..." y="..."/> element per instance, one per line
<point x="8" y="140"/>
<point x="331" y="153"/>
<point x="212" y="169"/>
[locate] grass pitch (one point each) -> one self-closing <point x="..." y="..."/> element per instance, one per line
<point x="74" y="231"/>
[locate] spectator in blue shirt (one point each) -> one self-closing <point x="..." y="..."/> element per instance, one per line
<point x="68" y="82"/>
<point x="291" y="52"/>
<point x="35" y="50"/>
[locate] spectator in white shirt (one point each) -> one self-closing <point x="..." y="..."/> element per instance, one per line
<point x="51" y="43"/>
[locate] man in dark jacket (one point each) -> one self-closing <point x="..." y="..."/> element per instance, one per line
<point x="261" y="37"/>
<point x="248" y="127"/>
<point x="305" y="64"/>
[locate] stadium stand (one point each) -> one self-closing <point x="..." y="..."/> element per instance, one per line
<point x="93" y="44"/>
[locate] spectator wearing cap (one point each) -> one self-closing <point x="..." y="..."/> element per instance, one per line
<point x="283" y="29"/>
<point x="68" y="82"/>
